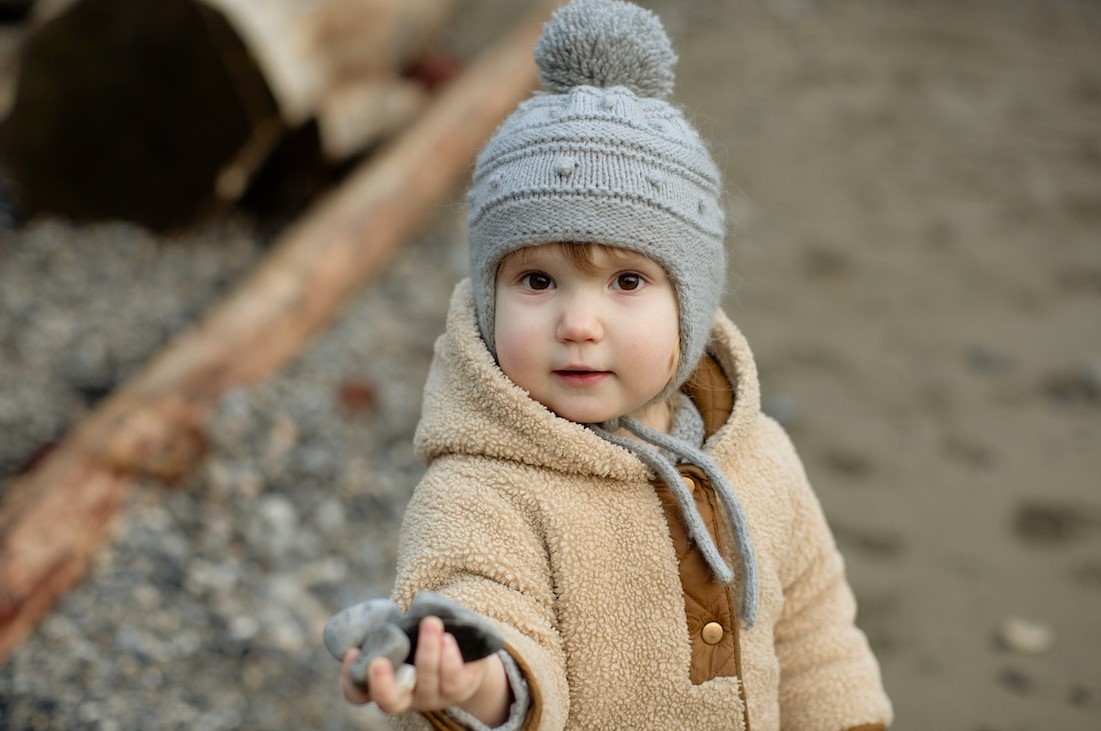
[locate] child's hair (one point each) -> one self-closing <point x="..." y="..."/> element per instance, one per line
<point x="601" y="156"/>
<point x="578" y="255"/>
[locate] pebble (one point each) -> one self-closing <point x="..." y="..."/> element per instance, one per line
<point x="276" y="524"/>
<point x="387" y="641"/>
<point x="330" y="516"/>
<point x="1080" y="383"/>
<point x="1025" y="637"/>
<point x="348" y="628"/>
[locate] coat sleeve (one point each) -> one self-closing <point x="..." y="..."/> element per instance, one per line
<point x="481" y="547"/>
<point x="829" y="678"/>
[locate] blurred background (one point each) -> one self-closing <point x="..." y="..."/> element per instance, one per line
<point x="915" y="192"/>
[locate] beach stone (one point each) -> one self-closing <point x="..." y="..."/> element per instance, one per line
<point x="349" y="628"/>
<point x="276" y="524"/>
<point x="1024" y="637"/>
<point x="243" y="627"/>
<point x="1016" y="681"/>
<point x="387" y="641"/>
<point x="1076" y="384"/>
<point x="477" y="637"/>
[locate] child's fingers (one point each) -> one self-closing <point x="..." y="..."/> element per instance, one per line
<point x="454" y="675"/>
<point x="427" y="661"/>
<point x="442" y="679"/>
<point x="353" y="692"/>
<point x="387" y="694"/>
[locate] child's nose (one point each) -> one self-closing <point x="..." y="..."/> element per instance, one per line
<point x="580" y="320"/>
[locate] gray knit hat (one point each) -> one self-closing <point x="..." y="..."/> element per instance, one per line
<point x="601" y="157"/>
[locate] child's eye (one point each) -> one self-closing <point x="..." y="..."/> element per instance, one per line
<point x="628" y="281"/>
<point x="537" y="281"/>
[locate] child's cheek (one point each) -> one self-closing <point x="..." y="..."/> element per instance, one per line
<point x="516" y="351"/>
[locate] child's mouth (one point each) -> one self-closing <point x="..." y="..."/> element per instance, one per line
<point x="581" y="378"/>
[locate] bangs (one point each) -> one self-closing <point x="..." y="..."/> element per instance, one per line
<point x="580" y="256"/>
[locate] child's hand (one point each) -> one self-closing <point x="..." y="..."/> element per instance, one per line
<point x="442" y="680"/>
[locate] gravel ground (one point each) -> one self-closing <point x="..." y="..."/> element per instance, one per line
<point x="205" y="613"/>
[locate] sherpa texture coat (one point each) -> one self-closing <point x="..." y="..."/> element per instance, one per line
<point x="560" y="536"/>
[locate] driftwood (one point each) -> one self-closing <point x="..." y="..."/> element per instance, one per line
<point x="54" y="517"/>
<point x="161" y="112"/>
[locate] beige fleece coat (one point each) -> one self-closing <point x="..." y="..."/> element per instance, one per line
<point x="558" y="535"/>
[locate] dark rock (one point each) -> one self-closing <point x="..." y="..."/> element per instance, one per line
<point x="477" y="637"/>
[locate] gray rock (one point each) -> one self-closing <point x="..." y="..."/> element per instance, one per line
<point x="387" y="641"/>
<point x="350" y="628"/>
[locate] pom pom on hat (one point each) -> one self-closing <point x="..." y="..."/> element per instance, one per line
<point x="606" y="43"/>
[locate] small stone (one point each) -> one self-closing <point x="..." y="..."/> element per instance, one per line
<point x="329" y="570"/>
<point x="349" y="628"/>
<point x="1015" y="680"/>
<point x="986" y="360"/>
<point x="1079" y="695"/>
<point x="89" y="712"/>
<point x="387" y="641"/>
<point x="1025" y="637"/>
<point x="281" y="440"/>
<point x="249" y="483"/>
<point x="1077" y="384"/>
<point x="147" y="597"/>
<point x="1051" y="523"/>
<point x="849" y="462"/>
<point x="244" y="627"/>
<point x="405" y="678"/>
<point x="330" y="516"/>
<point x="205" y="577"/>
<point x="152" y="678"/>
<point x="285" y="635"/>
<point x="826" y="261"/>
<point x="476" y="636"/>
<point x="358" y="395"/>
<point x="278" y="524"/>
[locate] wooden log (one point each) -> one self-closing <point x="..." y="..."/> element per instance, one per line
<point x="161" y="112"/>
<point x="54" y="517"/>
<point x="309" y="49"/>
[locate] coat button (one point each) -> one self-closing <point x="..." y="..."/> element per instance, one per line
<point x="689" y="483"/>
<point x="712" y="633"/>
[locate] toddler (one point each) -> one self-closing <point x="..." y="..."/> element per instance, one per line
<point x="602" y="485"/>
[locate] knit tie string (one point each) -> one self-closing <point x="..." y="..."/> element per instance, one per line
<point x="693" y="521"/>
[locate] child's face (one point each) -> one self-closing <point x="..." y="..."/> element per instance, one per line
<point x="588" y="345"/>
